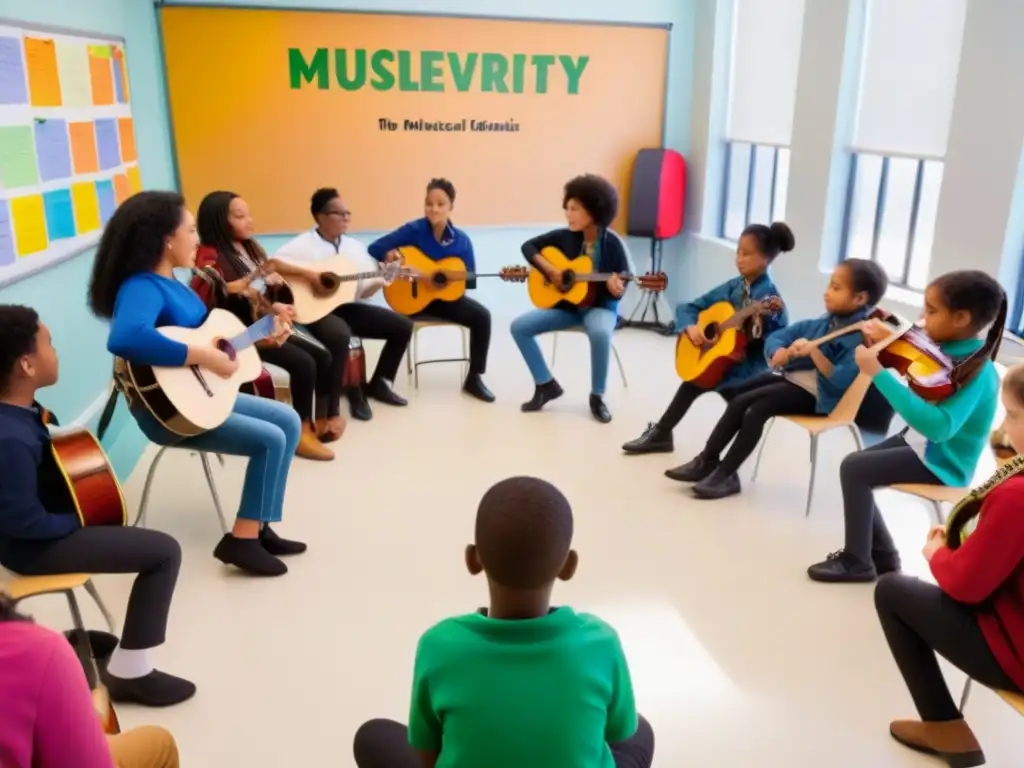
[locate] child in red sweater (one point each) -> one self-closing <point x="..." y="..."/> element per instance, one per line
<point x="975" y="616"/>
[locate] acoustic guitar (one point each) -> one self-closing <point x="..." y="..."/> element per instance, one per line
<point x="423" y="280"/>
<point x="188" y="400"/>
<point x="579" y="282"/>
<point x="79" y="639"/>
<point x="338" y="284"/>
<point x="705" y="365"/>
<point x="92" y="486"/>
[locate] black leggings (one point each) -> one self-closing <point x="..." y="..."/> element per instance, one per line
<point x="920" y="620"/>
<point x="385" y="744"/>
<point x="890" y="462"/>
<point x="309" y="370"/>
<point x="753" y="404"/>
<point x="154" y="556"/>
<point x="469" y="313"/>
<point x="686" y="396"/>
<point x="371" y="322"/>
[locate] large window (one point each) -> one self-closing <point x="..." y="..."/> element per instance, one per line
<point x="766" y="40"/>
<point x="756" y="179"/>
<point x="891" y="209"/>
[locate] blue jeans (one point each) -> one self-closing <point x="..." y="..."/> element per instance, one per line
<point x="598" y="322"/>
<point x="267" y="432"/>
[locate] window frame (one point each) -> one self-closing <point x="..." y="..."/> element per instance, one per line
<point x="750" y="184"/>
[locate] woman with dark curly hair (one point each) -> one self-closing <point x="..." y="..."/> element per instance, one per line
<point x="133" y="284"/>
<point x="438" y="238"/>
<point x="590" y="203"/>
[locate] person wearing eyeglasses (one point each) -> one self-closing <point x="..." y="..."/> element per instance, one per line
<point x="330" y="238"/>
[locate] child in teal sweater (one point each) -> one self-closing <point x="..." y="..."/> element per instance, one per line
<point x="943" y="441"/>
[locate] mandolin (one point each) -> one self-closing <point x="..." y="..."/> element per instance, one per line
<point x="186" y="401"/>
<point x="929" y="372"/>
<point x="338" y="284"/>
<point x="423" y="280"/>
<point x="92" y="486"/>
<point x="706" y="365"/>
<point x="578" y="281"/>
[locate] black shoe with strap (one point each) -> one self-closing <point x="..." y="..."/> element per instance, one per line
<point x="599" y="410"/>
<point x="840" y="567"/>
<point x="653" y="440"/>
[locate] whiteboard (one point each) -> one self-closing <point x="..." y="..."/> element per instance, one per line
<point x="68" y="155"/>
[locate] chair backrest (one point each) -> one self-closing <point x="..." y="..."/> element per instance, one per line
<point x="1015" y="700"/>
<point x="848" y="405"/>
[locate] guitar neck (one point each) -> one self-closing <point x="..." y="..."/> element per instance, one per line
<point x="838" y="332"/>
<point x="740" y="317"/>
<point x="603" y="277"/>
<point x="261" y="329"/>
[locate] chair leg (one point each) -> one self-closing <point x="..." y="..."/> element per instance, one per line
<point x="618" y="362"/>
<point x="858" y="438"/>
<point x="554" y="347"/>
<point x="965" y="695"/>
<point x="760" y="450"/>
<point x="140" y="519"/>
<point x="814" y="469"/>
<point x="76" y="612"/>
<point x="90" y="587"/>
<point x="937" y="508"/>
<point x="416" y="360"/>
<point x="208" y="471"/>
<point x="465" y="352"/>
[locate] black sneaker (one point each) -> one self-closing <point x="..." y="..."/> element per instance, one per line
<point x="718" y="485"/>
<point x="249" y="556"/>
<point x="357" y="405"/>
<point x="599" y="410"/>
<point x="653" y="440"/>
<point x="840" y="567"/>
<point x="277" y="546"/>
<point x="542" y="395"/>
<point x="380" y="390"/>
<point x="157" y="689"/>
<point x="693" y="471"/>
<point x="475" y="387"/>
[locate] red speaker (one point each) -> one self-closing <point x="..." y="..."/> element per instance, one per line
<point x="657" y="194"/>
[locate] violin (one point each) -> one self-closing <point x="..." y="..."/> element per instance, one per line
<point x="930" y="373"/>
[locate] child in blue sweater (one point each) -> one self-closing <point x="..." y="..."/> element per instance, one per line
<point x="812" y="379"/>
<point x="948" y="436"/>
<point x="757" y="248"/>
<point x="133" y="285"/>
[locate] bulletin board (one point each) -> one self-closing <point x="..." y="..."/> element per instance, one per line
<point x="67" y="144"/>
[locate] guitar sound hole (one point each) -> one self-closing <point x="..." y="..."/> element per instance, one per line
<point x="329" y="281"/>
<point x="711" y="332"/>
<point x="439" y="279"/>
<point x="568" y="279"/>
<point x="225" y="346"/>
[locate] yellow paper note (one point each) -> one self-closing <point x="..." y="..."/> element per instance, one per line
<point x="134" y="179"/>
<point x="29" y="220"/>
<point x="101" y="51"/>
<point x="86" y="206"/>
<point x="73" y="67"/>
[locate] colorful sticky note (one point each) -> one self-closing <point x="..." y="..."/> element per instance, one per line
<point x="106" y="140"/>
<point x="60" y="216"/>
<point x="7" y="255"/>
<point x="43" y="78"/>
<point x="86" y="205"/>
<point x="73" y="68"/>
<point x="53" y="149"/>
<point x="101" y="51"/>
<point x="83" y="147"/>
<point x="17" y="157"/>
<point x="120" y="76"/>
<point x="126" y="131"/>
<point x="105" y="195"/>
<point x="29" y="219"/>
<point x="134" y="178"/>
<point x="122" y="188"/>
<point x="102" y="75"/>
<point x="13" y="85"/>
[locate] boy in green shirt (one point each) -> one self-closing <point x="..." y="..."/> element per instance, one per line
<point x="519" y="683"/>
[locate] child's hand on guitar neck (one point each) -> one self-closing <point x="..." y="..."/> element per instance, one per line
<point x="616" y="287"/>
<point x="800" y="348"/>
<point x="213" y="359"/>
<point x="875" y="330"/>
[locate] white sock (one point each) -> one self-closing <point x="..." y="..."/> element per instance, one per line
<point x="129" y="665"/>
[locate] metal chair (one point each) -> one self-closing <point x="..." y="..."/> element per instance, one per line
<point x="1015" y="700"/>
<point x="23" y="587"/>
<point x="936" y="495"/>
<point x="204" y="457"/>
<point x="581" y="329"/>
<point x="412" y="356"/>
<point x="842" y="417"/>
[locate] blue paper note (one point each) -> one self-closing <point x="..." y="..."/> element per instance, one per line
<point x="7" y="256"/>
<point x="108" y="202"/>
<point x="107" y="144"/>
<point x="13" y="84"/>
<point x="119" y="80"/>
<point x="53" y="149"/>
<point x="60" y="216"/>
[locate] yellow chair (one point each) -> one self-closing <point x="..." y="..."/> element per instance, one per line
<point x="24" y="587"/>
<point x="412" y="356"/>
<point x="1015" y="700"/>
<point x="936" y="495"/>
<point x="842" y="417"/>
<point x="580" y="329"/>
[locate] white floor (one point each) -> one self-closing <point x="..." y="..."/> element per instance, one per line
<point x="737" y="658"/>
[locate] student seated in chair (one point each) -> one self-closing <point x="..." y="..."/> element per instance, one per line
<point x="40" y="532"/>
<point x="520" y="683"/>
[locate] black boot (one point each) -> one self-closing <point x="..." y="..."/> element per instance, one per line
<point x="717" y="485"/>
<point x="653" y="440"/>
<point x="277" y="546"/>
<point x="248" y="555"/>
<point x="380" y="390"/>
<point x="693" y="471"/>
<point x="599" y="409"/>
<point x="357" y="405"/>
<point x="842" y="568"/>
<point x="542" y="395"/>
<point x="475" y="387"/>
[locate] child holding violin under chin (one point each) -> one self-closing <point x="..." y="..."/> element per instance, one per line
<point x="943" y="439"/>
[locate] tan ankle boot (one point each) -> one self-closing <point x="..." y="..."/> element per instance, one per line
<point x="310" y="446"/>
<point x="953" y="741"/>
<point x="329" y="430"/>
